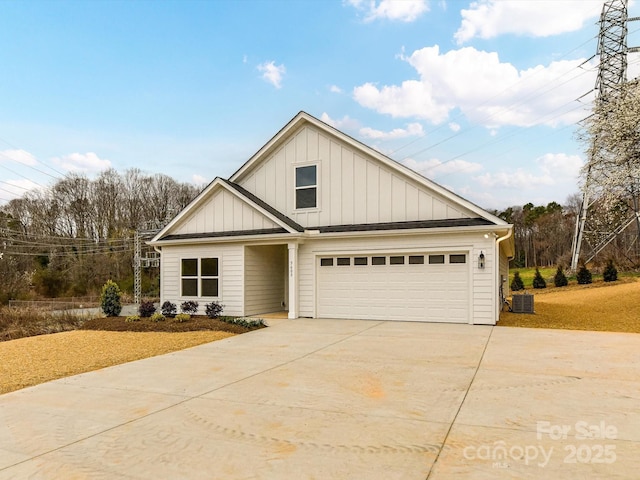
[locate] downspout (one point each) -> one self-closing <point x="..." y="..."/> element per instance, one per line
<point x="498" y="304"/>
<point x="159" y="250"/>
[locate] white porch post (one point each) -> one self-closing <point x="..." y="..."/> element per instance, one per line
<point x="293" y="280"/>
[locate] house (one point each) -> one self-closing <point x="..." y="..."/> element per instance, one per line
<point x="323" y="226"/>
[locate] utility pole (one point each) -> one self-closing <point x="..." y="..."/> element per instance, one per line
<point x="612" y="74"/>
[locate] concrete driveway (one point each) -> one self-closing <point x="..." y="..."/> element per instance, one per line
<point x="336" y="399"/>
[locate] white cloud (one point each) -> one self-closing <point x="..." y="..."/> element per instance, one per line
<point x="561" y="165"/>
<point x="554" y="169"/>
<point x="19" y="156"/>
<point x="399" y="10"/>
<point x="346" y="123"/>
<point x="433" y="168"/>
<point x="198" y="179"/>
<point x="454" y="127"/>
<point x="411" y="99"/>
<point x="538" y="18"/>
<point x="17" y="188"/>
<point x="335" y="89"/>
<point x="82" y="162"/>
<point x="272" y="73"/>
<point x="519" y="179"/>
<point x="500" y="94"/>
<point x="412" y="130"/>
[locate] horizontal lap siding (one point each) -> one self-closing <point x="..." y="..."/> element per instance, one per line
<point x="481" y="289"/>
<point x="230" y="270"/>
<point x="484" y="292"/>
<point x="264" y="279"/>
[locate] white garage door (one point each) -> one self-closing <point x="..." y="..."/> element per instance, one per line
<point x="429" y="287"/>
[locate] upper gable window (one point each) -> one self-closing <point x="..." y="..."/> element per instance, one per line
<point x="306" y="187"/>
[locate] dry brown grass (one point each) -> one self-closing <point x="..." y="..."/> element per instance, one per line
<point x="33" y="360"/>
<point x="600" y="306"/>
<point x="27" y="322"/>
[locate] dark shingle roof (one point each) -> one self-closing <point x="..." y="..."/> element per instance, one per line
<point x="234" y="233"/>
<point x="368" y="227"/>
<point x="280" y="216"/>
<point x="363" y="227"/>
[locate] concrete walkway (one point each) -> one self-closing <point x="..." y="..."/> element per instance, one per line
<point x="336" y="399"/>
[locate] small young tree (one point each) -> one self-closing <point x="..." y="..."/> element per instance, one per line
<point x="560" y="279"/>
<point x="584" y="275"/>
<point x="110" y="299"/>
<point x="517" y="283"/>
<point x="538" y="281"/>
<point x="610" y="273"/>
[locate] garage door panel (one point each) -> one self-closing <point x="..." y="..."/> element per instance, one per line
<point x="408" y="292"/>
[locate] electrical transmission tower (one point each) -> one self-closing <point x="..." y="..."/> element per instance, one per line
<point x="612" y="75"/>
<point x="151" y="259"/>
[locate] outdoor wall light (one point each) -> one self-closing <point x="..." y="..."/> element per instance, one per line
<point x="481" y="260"/>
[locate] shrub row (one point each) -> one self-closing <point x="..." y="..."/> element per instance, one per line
<point x="110" y="302"/>
<point x="584" y="277"/>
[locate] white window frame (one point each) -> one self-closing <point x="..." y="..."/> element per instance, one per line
<point x="296" y="187"/>
<point x="198" y="277"/>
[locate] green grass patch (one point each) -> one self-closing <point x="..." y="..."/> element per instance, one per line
<point x="527" y="274"/>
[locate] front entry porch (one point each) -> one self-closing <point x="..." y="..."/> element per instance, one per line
<point x="270" y="279"/>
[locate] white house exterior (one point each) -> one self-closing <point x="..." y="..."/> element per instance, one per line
<point x="323" y="226"/>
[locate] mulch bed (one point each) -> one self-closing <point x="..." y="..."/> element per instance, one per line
<point x="197" y="323"/>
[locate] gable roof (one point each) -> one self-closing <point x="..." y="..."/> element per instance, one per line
<point x="284" y="223"/>
<point x="302" y="117"/>
<point x="250" y="196"/>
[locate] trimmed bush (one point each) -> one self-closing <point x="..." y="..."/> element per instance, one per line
<point x="182" y="317"/>
<point x="517" y="283"/>
<point x="538" y="281"/>
<point x="213" y="309"/>
<point x="244" y="322"/>
<point x="146" y="309"/>
<point x="560" y="279"/>
<point x="584" y="275"/>
<point x="110" y="299"/>
<point x="132" y="318"/>
<point x="169" y="309"/>
<point x="189" y="306"/>
<point x="157" y="317"/>
<point x="610" y="273"/>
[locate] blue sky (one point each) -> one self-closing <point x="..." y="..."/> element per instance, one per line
<point x="479" y="96"/>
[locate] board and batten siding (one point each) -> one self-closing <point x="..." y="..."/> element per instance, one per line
<point x="264" y="273"/>
<point x="231" y="275"/>
<point x="223" y="212"/>
<point x="352" y="188"/>
<point x="481" y="294"/>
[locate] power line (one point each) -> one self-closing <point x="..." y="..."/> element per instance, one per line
<point x="6" y="142"/>
<point x="502" y="112"/>
<point x="487" y="101"/>
<point x="53" y="237"/>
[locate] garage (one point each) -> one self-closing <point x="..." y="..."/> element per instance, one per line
<point x="420" y="287"/>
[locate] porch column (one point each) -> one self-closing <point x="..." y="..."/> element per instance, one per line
<point x="293" y="280"/>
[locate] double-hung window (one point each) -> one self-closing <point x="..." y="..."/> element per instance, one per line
<point x="199" y="277"/>
<point x="306" y="187"/>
